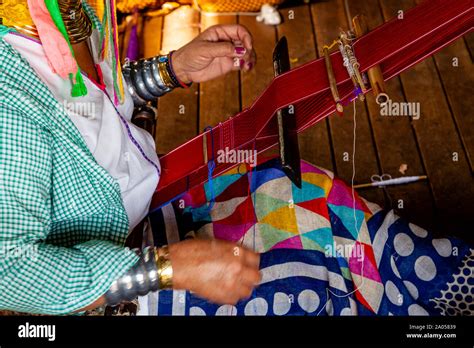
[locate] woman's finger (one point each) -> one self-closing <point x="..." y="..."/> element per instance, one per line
<point x="252" y="60"/>
<point x="251" y="259"/>
<point x="245" y="292"/>
<point x="238" y="64"/>
<point x="251" y="277"/>
<point x="231" y="32"/>
<point x="224" y="49"/>
<point x="219" y="49"/>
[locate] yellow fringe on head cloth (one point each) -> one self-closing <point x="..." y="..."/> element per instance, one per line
<point x="99" y="8"/>
<point x="233" y="6"/>
<point x="15" y="14"/>
<point x="129" y="6"/>
<point x="110" y="50"/>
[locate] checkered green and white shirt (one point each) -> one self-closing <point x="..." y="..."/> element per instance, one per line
<point x="62" y="221"/>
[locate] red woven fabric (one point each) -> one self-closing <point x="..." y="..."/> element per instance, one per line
<point x="395" y="46"/>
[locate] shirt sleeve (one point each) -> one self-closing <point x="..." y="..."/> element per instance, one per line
<point x="37" y="277"/>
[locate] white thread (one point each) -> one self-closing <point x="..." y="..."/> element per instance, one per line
<point x="353" y="165"/>
<point x="346" y="63"/>
<point x="354" y="210"/>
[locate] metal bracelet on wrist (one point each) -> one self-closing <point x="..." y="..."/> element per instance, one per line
<point x="173" y="75"/>
<point x="144" y="80"/>
<point x="144" y="277"/>
<point x="165" y="270"/>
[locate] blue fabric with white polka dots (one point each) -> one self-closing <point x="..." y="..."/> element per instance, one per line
<point x="415" y="277"/>
<point x="420" y="276"/>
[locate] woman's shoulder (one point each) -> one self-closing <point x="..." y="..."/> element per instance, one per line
<point x="7" y="53"/>
<point x="19" y="109"/>
<point x="22" y="93"/>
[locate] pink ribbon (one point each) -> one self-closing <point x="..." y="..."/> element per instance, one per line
<point x="56" y="48"/>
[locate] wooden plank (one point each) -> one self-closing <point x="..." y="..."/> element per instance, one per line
<point x="125" y="37"/>
<point x="315" y="146"/>
<point x="219" y="99"/>
<point x="396" y="142"/>
<point x="121" y="40"/>
<point x="180" y="26"/>
<point x="177" y="119"/>
<point x="469" y="38"/>
<point x="152" y="36"/>
<point x="457" y="74"/>
<point x="150" y="40"/>
<point x="254" y="82"/>
<point x="141" y="37"/>
<point x="178" y="110"/>
<point x="443" y="155"/>
<point x="328" y="18"/>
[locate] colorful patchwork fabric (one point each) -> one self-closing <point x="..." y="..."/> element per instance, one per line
<point x="325" y="251"/>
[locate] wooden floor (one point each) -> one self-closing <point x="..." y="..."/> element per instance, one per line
<point x="440" y="144"/>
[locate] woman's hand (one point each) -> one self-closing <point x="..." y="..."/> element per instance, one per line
<point x="216" y="52"/>
<point x="218" y="271"/>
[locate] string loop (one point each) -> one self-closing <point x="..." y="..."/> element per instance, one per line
<point x="211" y="166"/>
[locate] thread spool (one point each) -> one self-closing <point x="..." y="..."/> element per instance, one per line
<point x="332" y="81"/>
<point x="375" y="73"/>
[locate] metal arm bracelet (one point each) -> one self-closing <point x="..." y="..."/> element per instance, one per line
<point x="151" y="273"/>
<point x="148" y="79"/>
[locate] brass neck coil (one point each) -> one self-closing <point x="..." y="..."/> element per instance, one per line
<point x="78" y="24"/>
